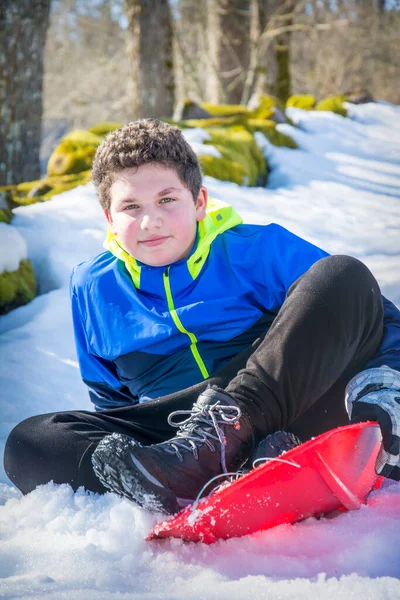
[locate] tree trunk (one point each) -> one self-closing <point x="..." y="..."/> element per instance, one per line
<point x="229" y="49"/>
<point x="273" y="69"/>
<point x="282" y="84"/>
<point x="191" y="58"/>
<point x="379" y="6"/>
<point x="150" y="49"/>
<point x="23" y="27"/>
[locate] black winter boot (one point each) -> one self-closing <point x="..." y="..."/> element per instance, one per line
<point x="215" y="438"/>
<point x="271" y="447"/>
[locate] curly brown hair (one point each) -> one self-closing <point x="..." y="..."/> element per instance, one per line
<point x="139" y="143"/>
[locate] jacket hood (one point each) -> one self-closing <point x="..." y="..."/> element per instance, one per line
<point x="220" y="217"/>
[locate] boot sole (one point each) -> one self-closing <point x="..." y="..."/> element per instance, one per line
<point x="113" y="465"/>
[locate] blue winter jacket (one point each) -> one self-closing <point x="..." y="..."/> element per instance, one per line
<point x="143" y="332"/>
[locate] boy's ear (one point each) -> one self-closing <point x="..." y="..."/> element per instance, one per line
<point x="201" y="204"/>
<point x="110" y="221"/>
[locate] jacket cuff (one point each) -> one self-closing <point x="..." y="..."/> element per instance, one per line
<point x="371" y="380"/>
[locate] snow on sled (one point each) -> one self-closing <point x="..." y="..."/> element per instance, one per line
<point x="333" y="471"/>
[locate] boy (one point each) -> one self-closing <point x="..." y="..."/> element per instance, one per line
<point x="242" y="329"/>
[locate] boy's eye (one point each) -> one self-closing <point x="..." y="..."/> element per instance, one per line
<point x="167" y="200"/>
<point x="129" y="206"/>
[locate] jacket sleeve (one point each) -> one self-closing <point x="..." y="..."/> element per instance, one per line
<point x="289" y="256"/>
<point x="293" y="257"/>
<point x="389" y="350"/>
<point x="105" y="389"/>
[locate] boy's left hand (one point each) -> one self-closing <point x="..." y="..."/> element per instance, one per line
<point x="374" y="395"/>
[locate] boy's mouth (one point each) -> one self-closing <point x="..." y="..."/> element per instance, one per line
<point x="154" y="241"/>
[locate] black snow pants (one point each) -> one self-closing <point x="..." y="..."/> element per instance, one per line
<point x="293" y="377"/>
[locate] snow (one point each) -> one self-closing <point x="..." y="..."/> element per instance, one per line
<point x="12" y="248"/>
<point x="196" y="137"/>
<point x="341" y="191"/>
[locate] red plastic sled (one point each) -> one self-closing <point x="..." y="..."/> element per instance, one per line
<point x="333" y="471"/>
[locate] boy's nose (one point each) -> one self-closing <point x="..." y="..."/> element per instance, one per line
<point x="150" y="220"/>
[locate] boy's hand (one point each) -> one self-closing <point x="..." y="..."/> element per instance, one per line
<point x="374" y="395"/>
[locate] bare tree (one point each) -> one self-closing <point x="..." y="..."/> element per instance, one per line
<point x="23" y="27"/>
<point x="150" y="49"/>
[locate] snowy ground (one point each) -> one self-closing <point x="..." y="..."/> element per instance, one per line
<point x="341" y="191"/>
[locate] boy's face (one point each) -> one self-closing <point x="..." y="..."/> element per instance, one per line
<point x="154" y="215"/>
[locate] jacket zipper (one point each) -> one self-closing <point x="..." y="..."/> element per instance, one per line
<point x="180" y="327"/>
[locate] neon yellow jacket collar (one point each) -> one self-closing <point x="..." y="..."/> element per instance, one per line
<point x="219" y="218"/>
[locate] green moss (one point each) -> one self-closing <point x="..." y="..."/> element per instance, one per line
<point x="238" y="144"/>
<point x="333" y="104"/>
<point x="41" y="190"/>
<point x="223" y="169"/>
<point x="102" y="129"/>
<point x="268" y="128"/>
<point x="266" y="107"/>
<point x="225" y="110"/>
<point x="5" y="215"/>
<point x="17" y="195"/>
<point x="74" y="153"/>
<point x="17" y="287"/>
<point x="33" y="189"/>
<point x="215" y="122"/>
<point x="66" y="183"/>
<point x="304" y="101"/>
<point x="82" y="137"/>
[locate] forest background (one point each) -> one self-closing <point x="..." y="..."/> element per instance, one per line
<point x="68" y="64"/>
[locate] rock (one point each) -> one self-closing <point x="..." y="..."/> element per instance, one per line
<point x="360" y="97"/>
<point x="278" y="116"/>
<point x="187" y="109"/>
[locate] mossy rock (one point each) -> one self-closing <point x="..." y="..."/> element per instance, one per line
<point x="223" y="169"/>
<point x="74" y="153"/>
<point x="41" y="190"/>
<point x="333" y="104"/>
<point x="102" y="129"/>
<point x="17" y="287"/>
<point x="304" y="101"/>
<point x="225" y="110"/>
<point x="238" y="145"/>
<point x="17" y="195"/>
<point x="268" y="128"/>
<point x="235" y="141"/>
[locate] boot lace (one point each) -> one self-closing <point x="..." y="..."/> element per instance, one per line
<point x="203" y="426"/>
